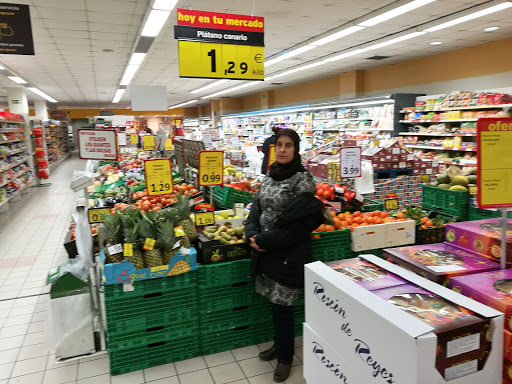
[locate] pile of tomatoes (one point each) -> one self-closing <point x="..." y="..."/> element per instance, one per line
<point x="325" y="191"/>
<point x="186" y="189"/>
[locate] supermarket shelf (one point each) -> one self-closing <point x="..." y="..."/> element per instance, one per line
<point x="369" y="129"/>
<point x="439" y="121"/>
<point x="12" y="153"/>
<point x="11" y="141"/>
<point x="13" y="165"/>
<point x="438" y="135"/>
<point x="13" y="130"/>
<point x="12" y="122"/>
<point x="461" y="108"/>
<point x="16" y="176"/>
<point x="438" y="148"/>
<point x="16" y="193"/>
<point x="55" y="163"/>
<point x="460" y="162"/>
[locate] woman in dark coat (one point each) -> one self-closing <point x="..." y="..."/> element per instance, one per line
<point x="279" y="226"/>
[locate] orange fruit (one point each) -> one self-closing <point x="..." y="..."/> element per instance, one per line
<point x="357" y="213"/>
<point x="349" y="220"/>
<point x="329" y="228"/>
<point x="337" y="223"/>
<point x="341" y="216"/>
<point x="315" y="236"/>
<point x="384" y="214"/>
<point x="355" y="225"/>
<point x="400" y="215"/>
<point x="321" y="228"/>
<point x="333" y="214"/>
<point x="344" y="223"/>
<point x="358" y="220"/>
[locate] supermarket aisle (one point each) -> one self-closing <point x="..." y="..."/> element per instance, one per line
<point x="31" y="238"/>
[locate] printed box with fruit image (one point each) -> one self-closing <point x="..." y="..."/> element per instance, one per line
<point x="480" y="236"/>
<point x="439" y="262"/>
<point x="125" y="272"/>
<point x="222" y="243"/>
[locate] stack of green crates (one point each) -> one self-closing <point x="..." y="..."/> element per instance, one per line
<point x="231" y="314"/>
<point x="154" y="324"/>
<point x="453" y="203"/>
<point x="333" y="245"/>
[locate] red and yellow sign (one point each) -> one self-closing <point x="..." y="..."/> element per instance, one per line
<point x="202" y="19"/>
<point x="494" y="140"/>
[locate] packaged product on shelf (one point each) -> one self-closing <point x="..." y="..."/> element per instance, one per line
<point x="439" y="262"/>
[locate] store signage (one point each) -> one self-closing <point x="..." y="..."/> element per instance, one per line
<point x="211" y="168"/>
<point x="96" y="214"/>
<point x="149" y="142"/>
<point x="220" y="45"/>
<point x="97" y="144"/>
<point x="391" y="201"/>
<point x="134" y="138"/>
<point x="168" y="145"/>
<point x="271" y="155"/>
<point x="204" y="218"/>
<point x="350" y="162"/>
<point x="121" y="138"/>
<point x="15" y="30"/>
<point x="158" y="174"/>
<point x="204" y="207"/>
<point x="494" y="140"/>
<point x="207" y="139"/>
<point x="106" y="113"/>
<point x="424" y="178"/>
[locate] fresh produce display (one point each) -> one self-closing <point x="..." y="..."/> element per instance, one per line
<point x="422" y="219"/>
<point x="227" y="214"/>
<point x="226" y="234"/>
<point x="456" y="180"/>
<point x="339" y="193"/>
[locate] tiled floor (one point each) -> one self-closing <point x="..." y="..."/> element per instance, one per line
<point x="31" y="238"/>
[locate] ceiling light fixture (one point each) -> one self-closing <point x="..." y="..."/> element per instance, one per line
<point x="129" y="73"/>
<point x="290" y="54"/>
<point x="211" y="85"/>
<point x="345" y="55"/>
<point x="17" y="79"/>
<point x="490" y="29"/>
<point x="471" y="16"/>
<point x="118" y="95"/>
<point x="182" y="104"/>
<point x="155" y="22"/>
<point x="137" y="58"/>
<point x="165" y="5"/>
<point x="338" y="35"/>
<point x="395" y="12"/>
<point x="245" y="85"/>
<point x="436" y="43"/>
<point x="42" y="94"/>
<point x="1" y="67"/>
<point x="395" y="40"/>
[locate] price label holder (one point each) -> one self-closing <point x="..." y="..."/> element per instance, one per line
<point x="350" y="162"/>
<point x="239" y="209"/>
<point x="149" y="244"/>
<point x="127" y="249"/>
<point x="149" y="142"/>
<point x="95" y="214"/>
<point x="211" y="168"/>
<point x="178" y="231"/>
<point x="391" y="204"/>
<point x="271" y="155"/>
<point x="473" y="190"/>
<point x="114" y="249"/>
<point x="204" y="218"/>
<point x="425" y="179"/>
<point x="134" y="138"/>
<point x="158" y="174"/>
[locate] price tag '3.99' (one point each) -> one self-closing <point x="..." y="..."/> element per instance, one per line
<point x="211" y="168"/>
<point x="158" y="176"/>
<point x="350" y="162"/>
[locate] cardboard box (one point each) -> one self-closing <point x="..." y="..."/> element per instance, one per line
<point x="480" y="236"/>
<point x="373" y="341"/>
<point x="400" y="233"/>
<point x="368" y="237"/>
<point x="493" y="289"/>
<point x="212" y="251"/>
<point x="366" y="274"/>
<point x="507" y="343"/>
<point x="507" y="371"/>
<point x="439" y="262"/>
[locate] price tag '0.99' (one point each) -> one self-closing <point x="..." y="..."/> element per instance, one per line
<point x="350" y="162"/>
<point x="158" y="176"/>
<point x="204" y="218"/>
<point x="211" y="168"/>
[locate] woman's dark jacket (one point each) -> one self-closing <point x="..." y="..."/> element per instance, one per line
<point x="289" y="244"/>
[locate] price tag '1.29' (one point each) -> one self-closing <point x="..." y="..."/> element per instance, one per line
<point x="350" y="162"/>
<point x="211" y="167"/>
<point x="158" y="176"/>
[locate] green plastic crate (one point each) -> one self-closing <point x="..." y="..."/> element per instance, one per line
<point x="226" y="297"/>
<point x="220" y="274"/>
<point x="153" y="354"/>
<point x="481" y="214"/>
<point x="369" y="206"/>
<point x="454" y="203"/>
<point x="254" y="313"/>
<point x="334" y="245"/>
<point x="376" y="252"/>
<point x="228" y="196"/>
<point x="236" y="337"/>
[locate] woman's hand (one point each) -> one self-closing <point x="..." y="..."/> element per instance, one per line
<point x="252" y="243"/>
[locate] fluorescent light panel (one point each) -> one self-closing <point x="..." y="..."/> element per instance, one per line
<point x="42" y="94"/>
<point x="155" y="22"/>
<point x="395" y="40"/>
<point x="490" y="29"/>
<point x="471" y="16"/>
<point x="245" y="85"/>
<point x="345" y="55"/>
<point x="118" y="95"/>
<point x="17" y="79"/>
<point x="182" y="104"/>
<point x="212" y="85"/>
<point x="1" y="67"/>
<point x="137" y="59"/>
<point x="338" y="35"/>
<point x="165" y="5"/>
<point x="290" y="54"/>
<point x="395" y="12"/>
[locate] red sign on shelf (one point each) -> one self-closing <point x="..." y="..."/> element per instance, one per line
<point x="217" y="20"/>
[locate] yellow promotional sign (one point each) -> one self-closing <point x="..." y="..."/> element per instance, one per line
<point x="134" y="138"/>
<point x="158" y="176"/>
<point x="494" y="140"/>
<point x="204" y="218"/>
<point x="96" y="214"/>
<point x="271" y="156"/>
<point x="211" y="168"/>
<point x="149" y="142"/>
<point x="223" y="61"/>
<point x="168" y="145"/>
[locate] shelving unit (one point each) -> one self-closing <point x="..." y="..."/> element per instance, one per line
<point x="57" y="141"/>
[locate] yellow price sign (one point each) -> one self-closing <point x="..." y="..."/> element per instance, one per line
<point x="134" y="138"/>
<point x="149" y="142"/>
<point x="158" y="174"/>
<point x="149" y="244"/>
<point x="204" y="218"/>
<point x="271" y="156"/>
<point x="127" y="249"/>
<point x="211" y="168"/>
<point x="223" y="61"/>
<point x="168" y="145"/>
<point x="178" y="231"/>
<point x="96" y="214"/>
<point x="473" y="190"/>
<point x="391" y="204"/>
<point x="425" y="179"/>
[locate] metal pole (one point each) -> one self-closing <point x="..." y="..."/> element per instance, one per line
<point x="503" y="222"/>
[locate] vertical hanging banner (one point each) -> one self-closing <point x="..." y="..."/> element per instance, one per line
<point x="220" y="45"/>
<point x="494" y="140"/>
<point x="97" y="144"/>
<point x="15" y="30"/>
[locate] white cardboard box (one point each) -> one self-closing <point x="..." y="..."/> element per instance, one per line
<point x="383" y="235"/>
<point x="379" y="342"/>
<point x="400" y="233"/>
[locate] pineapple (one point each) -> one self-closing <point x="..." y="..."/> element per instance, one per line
<point x="184" y="220"/>
<point x="148" y="230"/>
<point x="113" y="225"/>
<point x="131" y="223"/>
<point x="167" y="240"/>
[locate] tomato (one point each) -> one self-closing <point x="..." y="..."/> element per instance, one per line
<point x="384" y="214"/>
<point x="145" y="198"/>
<point x="358" y="220"/>
<point x="152" y="201"/>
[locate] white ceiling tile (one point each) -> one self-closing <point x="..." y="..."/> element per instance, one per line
<point x="62" y="14"/>
<point x="111" y="6"/>
<point x="62" y="4"/>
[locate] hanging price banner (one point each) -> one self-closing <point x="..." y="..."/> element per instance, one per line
<point x="96" y="214"/>
<point x="204" y="218"/>
<point x="134" y="138"/>
<point x="350" y="162"/>
<point x="211" y="168"/>
<point x="158" y="174"/>
<point x="168" y="145"/>
<point x="149" y="142"/>
<point x="271" y="156"/>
